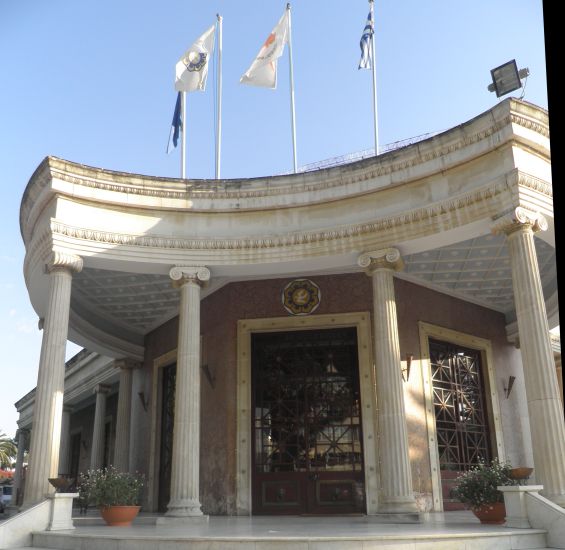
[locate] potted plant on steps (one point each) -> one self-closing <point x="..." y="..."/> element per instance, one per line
<point x="116" y="494"/>
<point x="477" y="488"/>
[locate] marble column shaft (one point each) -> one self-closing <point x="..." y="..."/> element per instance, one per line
<point x="185" y="468"/>
<point x="48" y="406"/>
<point x="542" y="391"/>
<point x="65" y="447"/>
<point x="17" y="486"/>
<point x="396" y="473"/>
<point x="97" y="450"/>
<point x="123" y="421"/>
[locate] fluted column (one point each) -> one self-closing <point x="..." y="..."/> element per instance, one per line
<point x="97" y="450"/>
<point x="542" y="391"/>
<point x="65" y="446"/>
<point x="48" y="406"/>
<point x="17" y="487"/>
<point x="396" y="475"/>
<point x="123" y="421"/>
<point x="185" y="468"/>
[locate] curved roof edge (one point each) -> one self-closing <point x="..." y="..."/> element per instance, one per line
<point x="413" y="161"/>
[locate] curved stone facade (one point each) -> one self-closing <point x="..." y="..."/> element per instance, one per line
<point x="428" y="220"/>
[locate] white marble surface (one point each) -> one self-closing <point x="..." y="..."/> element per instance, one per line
<point x="451" y="531"/>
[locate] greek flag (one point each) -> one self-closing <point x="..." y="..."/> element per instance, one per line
<point x="176" y="127"/>
<point x="366" y="42"/>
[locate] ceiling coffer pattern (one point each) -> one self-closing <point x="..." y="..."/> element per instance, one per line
<point x="477" y="269"/>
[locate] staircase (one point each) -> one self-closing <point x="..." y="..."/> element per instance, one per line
<point x="460" y="532"/>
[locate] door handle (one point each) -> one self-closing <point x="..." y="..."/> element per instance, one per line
<point x="314" y="477"/>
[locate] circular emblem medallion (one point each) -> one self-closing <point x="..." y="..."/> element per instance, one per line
<point x="301" y="297"/>
<point x="195" y="61"/>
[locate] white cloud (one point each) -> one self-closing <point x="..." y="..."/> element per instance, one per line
<point x="12" y="312"/>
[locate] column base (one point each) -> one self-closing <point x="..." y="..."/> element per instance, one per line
<point x="399" y="505"/>
<point x="183" y="509"/>
<point x="394" y="517"/>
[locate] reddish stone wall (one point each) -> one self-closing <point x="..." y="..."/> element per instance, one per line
<point x="340" y="294"/>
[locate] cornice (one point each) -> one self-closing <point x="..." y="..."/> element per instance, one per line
<point x="407" y="158"/>
<point x="344" y="175"/>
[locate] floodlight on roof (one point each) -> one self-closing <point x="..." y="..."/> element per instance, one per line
<point x="507" y="78"/>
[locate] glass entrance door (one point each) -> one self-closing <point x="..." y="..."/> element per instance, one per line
<point x="307" y="441"/>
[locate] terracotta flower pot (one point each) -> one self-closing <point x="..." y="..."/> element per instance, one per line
<point x="119" y="516"/>
<point x="493" y="513"/>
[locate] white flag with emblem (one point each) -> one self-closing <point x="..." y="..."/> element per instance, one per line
<point x="192" y="67"/>
<point x="263" y="70"/>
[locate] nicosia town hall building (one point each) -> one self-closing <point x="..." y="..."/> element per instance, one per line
<point x="336" y="341"/>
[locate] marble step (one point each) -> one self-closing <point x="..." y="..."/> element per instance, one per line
<point x="144" y="538"/>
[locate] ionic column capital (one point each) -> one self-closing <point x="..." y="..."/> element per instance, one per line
<point x="101" y="388"/>
<point x="519" y="218"/>
<point x="181" y="275"/>
<point x="61" y="260"/>
<point x="126" y="363"/>
<point x="386" y="258"/>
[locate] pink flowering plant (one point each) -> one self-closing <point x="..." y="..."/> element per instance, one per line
<point x="478" y="486"/>
<point x="110" y="487"/>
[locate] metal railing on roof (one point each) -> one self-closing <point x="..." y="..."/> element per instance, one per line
<point x="360" y="155"/>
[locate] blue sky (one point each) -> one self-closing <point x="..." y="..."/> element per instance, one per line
<point x="92" y="82"/>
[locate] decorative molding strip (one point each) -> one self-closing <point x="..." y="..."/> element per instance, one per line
<point x="291" y="239"/>
<point x="341" y="179"/>
<point x="536" y="184"/>
<point x="530" y="124"/>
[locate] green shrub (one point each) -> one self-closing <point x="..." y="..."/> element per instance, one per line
<point x="109" y="487"/>
<point x="478" y="485"/>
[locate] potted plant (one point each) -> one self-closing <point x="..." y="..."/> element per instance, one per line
<point x="117" y="494"/>
<point x="477" y="488"/>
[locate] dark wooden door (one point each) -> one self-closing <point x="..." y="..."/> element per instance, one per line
<point x="168" y="383"/>
<point x="307" y="441"/>
<point x="462" y="424"/>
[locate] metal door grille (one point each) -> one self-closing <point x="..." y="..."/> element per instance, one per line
<point x="167" y="425"/>
<point x="461" y="418"/>
<point x="306" y="399"/>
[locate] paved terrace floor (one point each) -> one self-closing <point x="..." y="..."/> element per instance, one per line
<point x="462" y="523"/>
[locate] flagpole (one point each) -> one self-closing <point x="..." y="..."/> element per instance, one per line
<point x="292" y="112"/>
<point x="374" y="66"/>
<point x="219" y="100"/>
<point x="183" y="141"/>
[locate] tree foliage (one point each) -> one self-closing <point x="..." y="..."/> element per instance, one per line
<point x="8" y="451"/>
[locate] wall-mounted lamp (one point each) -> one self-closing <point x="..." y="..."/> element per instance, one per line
<point x="406" y="370"/>
<point x="209" y="376"/>
<point x="508" y="387"/>
<point x="144" y="401"/>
